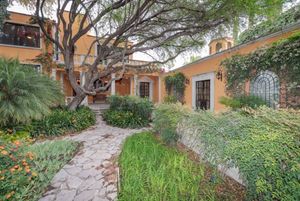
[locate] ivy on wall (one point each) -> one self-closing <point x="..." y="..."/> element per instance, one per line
<point x="175" y="85"/>
<point x="282" y="58"/>
<point x="289" y="17"/>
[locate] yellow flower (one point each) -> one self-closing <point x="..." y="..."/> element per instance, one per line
<point x="34" y="174"/>
<point x="4" y="152"/>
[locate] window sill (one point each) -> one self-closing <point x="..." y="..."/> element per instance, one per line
<point x="23" y="47"/>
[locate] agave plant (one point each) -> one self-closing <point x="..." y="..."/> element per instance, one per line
<point x="24" y="93"/>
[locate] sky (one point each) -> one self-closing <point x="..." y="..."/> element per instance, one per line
<point x="178" y="62"/>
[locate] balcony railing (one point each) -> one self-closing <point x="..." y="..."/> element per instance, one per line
<point x="79" y="59"/>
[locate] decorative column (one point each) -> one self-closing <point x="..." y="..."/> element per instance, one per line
<point x="113" y="84"/>
<point x="82" y="83"/>
<point x="135" y="86"/>
<point x="53" y="74"/>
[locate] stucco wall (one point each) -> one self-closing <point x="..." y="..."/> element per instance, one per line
<point x="212" y="63"/>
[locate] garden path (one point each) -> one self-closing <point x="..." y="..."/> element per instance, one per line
<point x="92" y="174"/>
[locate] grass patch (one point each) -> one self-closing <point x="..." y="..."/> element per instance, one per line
<point x="153" y="171"/>
<point x="26" y="178"/>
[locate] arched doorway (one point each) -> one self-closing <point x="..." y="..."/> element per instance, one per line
<point x="266" y="86"/>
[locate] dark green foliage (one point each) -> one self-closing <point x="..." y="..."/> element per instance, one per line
<point x="262" y="143"/>
<point x="175" y="85"/>
<point x="242" y="101"/>
<point x="3" y="12"/>
<point x="165" y="120"/>
<point x="282" y="58"/>
<point x="25" y="94"/>
<point x="128" y="111"/>
<point x="152" y="171"/>
<point x="62" y="121"/>
<point x="267" y="27"/>
<point x="123" y="119"/>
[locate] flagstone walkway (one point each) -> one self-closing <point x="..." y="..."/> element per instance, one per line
<point x="92" y="174"/>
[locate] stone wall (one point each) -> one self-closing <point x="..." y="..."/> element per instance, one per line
<point x="189" y="136"/>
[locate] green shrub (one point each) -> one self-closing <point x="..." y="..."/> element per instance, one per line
<point x="123" y="119"/>
<point x="61" y="121"/>
<point x="170" y="99"/>
<point x="26" y="170"/>
<point x="25" y="94"/>
<point x="262" y="143"/>
<point x="242" y="101"/>
<point x="165" y="120"/>
<point x="128" y="111"/>
<point x="152" y="171"/>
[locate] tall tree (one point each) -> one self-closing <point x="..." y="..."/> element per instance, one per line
<point x="166" y="27"/>
<point x="254" y="11"/>
<point x="3" y="12"/>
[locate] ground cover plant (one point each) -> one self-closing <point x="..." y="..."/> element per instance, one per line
<point x="263" y="143"/>
<point x="26" y="170"/>
<point x="150" y="170"/>
<point x="128" y="111"/>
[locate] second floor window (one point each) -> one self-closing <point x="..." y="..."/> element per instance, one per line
<point x="20" y="35"/>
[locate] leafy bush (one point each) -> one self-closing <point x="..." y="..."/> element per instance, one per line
<point x="26" y="170"/>
<point x="152" y="171"/>
<point x="170" y="99"/>
<point x="25" y="94"/>
<point x="61" y="121"/>
<point x="165" y="120"/>
<point x="242" y="101"/>
<point x="128" y="111"/>
<point x="262" y="143"/>
<point x="123" y="119"/>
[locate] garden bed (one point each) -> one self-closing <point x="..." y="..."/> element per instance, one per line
<point x="26" y="170"/>
<point x="153" y="171"/>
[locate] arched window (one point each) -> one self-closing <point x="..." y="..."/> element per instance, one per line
<point x="266" y="86"/>
<point x="218" y="47"/>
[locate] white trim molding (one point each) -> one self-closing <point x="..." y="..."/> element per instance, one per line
<point x="201" y="77"/>
<point x="146" y="79"/>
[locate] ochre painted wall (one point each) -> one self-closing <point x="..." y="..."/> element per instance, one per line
<point x="24" y="54"/>
<point x="212" y="63"/>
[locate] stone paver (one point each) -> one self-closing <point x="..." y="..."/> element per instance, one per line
<point x="93" y="173"/>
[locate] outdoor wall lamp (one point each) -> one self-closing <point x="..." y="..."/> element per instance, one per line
<point x="187" y="81"/>
<point x="219" y="75"/>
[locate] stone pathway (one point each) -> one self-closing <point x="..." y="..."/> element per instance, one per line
<point x="92" y="174"/>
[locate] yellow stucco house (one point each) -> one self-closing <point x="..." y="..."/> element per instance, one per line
<point x="205" y="87"/>
<point x="23" y="40"/>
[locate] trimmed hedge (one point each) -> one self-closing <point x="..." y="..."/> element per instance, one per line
<point x="62" y="121"/>
<point x="128" y="111"/>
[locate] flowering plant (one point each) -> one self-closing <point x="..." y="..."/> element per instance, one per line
<point x="15" y="168"/>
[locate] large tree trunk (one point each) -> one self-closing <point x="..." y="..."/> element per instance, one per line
<point x="75" y="103"/>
